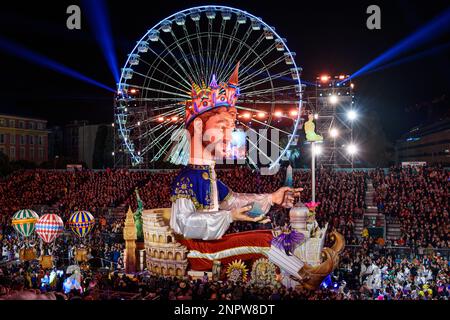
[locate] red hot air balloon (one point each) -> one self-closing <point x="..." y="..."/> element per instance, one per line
<point x="49" y="227"/>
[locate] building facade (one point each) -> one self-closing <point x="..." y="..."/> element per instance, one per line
<point x="430" y="144"/>
<point x="24" y="138"/>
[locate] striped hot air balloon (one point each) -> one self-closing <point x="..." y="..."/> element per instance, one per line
<point x="49" y="227"/>
<point x="24" y="222"/>
<point x="81" y="223"/>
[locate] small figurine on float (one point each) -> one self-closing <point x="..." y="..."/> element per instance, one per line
<point x="138" y="216"/>
<point x="288" y="239"/>
<point x="310" y="130"/>
<point x="311" y="224"/>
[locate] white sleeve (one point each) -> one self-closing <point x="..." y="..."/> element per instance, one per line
<point x="238" y="200"/>
<point x="192" y="224"/>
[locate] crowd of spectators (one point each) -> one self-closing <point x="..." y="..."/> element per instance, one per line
<point x="362" y="275"/>
<point x="418" y="198"/>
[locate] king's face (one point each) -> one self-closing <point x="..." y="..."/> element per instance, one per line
<point x="218" y="131"/>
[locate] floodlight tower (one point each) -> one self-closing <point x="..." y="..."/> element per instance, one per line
<point x="333" y="99"/>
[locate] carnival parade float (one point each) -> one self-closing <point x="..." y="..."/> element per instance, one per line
<point x="199" y="87"/>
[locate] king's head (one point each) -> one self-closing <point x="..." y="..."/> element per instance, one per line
<point x="214" y="96"/>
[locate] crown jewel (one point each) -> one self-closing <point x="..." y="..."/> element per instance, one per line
<point x="213" y="96"/>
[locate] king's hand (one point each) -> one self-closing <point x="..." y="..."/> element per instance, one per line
<point x="285" y="196"/>
<point x="241" y="214"/>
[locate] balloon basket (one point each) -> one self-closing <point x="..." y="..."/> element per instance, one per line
<point x="27" y="254"/>
<point x="81" y="255"/>
<point x="46" y="262"/>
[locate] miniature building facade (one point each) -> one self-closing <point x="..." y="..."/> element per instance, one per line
<point x="164" y="255"/>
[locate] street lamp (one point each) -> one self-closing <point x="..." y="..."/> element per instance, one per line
<point x="334" y="132"/>
<point x="352" y="150"/>
<point x="333" y="99"/>
<point x="351" y="115"/>
<point x="316" y="149"/>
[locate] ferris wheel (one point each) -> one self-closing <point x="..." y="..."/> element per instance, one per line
<point x="193" y="46"/>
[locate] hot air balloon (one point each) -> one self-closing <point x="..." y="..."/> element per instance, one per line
<point x="49" y="227"/>
<point x="24" y="222"/>
<point x="81" y="223"/>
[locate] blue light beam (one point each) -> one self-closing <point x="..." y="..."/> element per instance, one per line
<point x="431" y="30"/>
<point x="99" y="20"/>
<point x="17" y="50"/>
<point x="420" y="55"/>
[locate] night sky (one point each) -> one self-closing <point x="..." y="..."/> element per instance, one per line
<point x="328" y="37"/>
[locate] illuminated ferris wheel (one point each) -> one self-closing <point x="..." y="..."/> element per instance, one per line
<point x="189" y="47"/>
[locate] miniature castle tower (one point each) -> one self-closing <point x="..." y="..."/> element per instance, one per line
<point x="165" y="256"/>
<point x="130" y="237"/>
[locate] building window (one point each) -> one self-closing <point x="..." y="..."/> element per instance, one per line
<point x="22" y="140"/>
<point x="2" y="138"/>
<point x="12" y="153"/>
<point x="30" y="139"/>
<point x="40" y="126"/>
<point x="2" y="150"/>
<point x="41" y="140"/>
<point x="22" y="153"/>
<point x="21" y="124"/>
<point x="32" y="154"/>
<point x="31" y="125"/>
<point x="12" y="123"/>
<point x="2" y="122"/>
<point x="12" y="139"/>
<point x="41" y="154"/>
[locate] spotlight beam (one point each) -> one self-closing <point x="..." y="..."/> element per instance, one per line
<point x="17" y="50"/>
<point x="99" y="20"/>
<point x="417" y="56"/>
<point x="431" y="30"/>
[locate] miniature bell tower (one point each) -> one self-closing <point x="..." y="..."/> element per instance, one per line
<point x="130" y="237"/>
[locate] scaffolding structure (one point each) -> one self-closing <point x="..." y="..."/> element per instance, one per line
<point x="330" y="99"/>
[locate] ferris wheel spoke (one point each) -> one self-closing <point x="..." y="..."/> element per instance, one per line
<point x="230" y="41"/>
<point x="182" y="85"/>
<point x="262" y="69"/>
<point x="173" y="69"/>
<point x="149" y="133"/>
<point x="272" y="127"/>
<point x="175" y="100"/>
<point x="163" y="91"/>
<point x="264" y="91"/>
<point x="191" y="49"/>
<point x="261" y="152"/>
<point x="267" y="79"/>
<point x="166" y="145"/>
<point x="208" y="53"/>
<point x="247" y="54"/>
<point x="188" y="76"/>
<point x="167" y="114"/>
<point x="229" y="65"/>
<point x="238" y="50"/>
<point x="260" y="135"/>
<point x="159" y="81"/>
<point x="200" y="48"/>
<point x="218" y="47"/>
<point x="155" y="142"/>
<point x="186" y="60"/>
<point x="250" y="109"/>
<point x="261" y="57"/>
